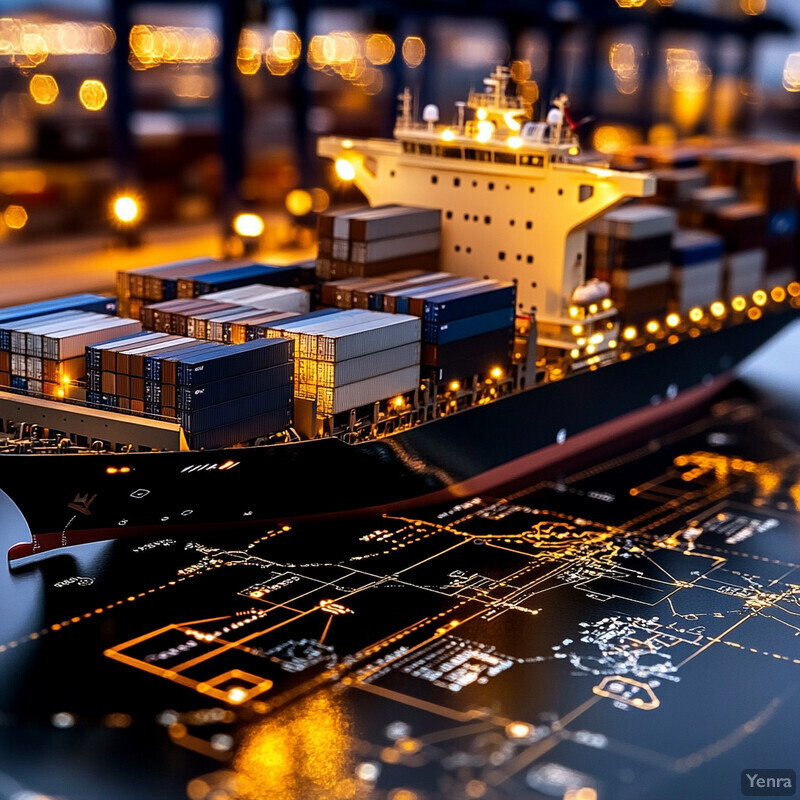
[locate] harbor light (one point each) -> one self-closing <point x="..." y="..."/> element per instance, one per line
<point x="606" y="304"/>
<point x="696" y="314"/>
<point x="398" y="402"/>
<point x="454" y="386"/>
<point x="448" y="135"/>
<point x="738" y="303"/>
<point x="778" y="294"/>
<point x="673" y="320"/>
<point x="577" y="330"/>
<point x="518" y="730"/>
<point x="575" y="353"/>
<point x="126" y="209"/>
<point x="760" y="297"/>
<point x="718" y="309"/>
<point x="299" y="202"/>
<point x="496" y="373"/>
<point x="514" y="142"/>
<point x="629" y="333"/>
<point x="345" y="170"/>
<point x="248" y="225"/>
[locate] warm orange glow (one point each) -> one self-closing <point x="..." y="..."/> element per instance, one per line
<point x="760" y="297"/>
<point x="126" y="209"/>
<point x="301" y="751"/>
<point x="496" y="373"/>
<point x="629" y="333"/>
<point x="673" y="320"/>
<point x="299" y="202"/>
<point x="344" y="169"/>
<point x="398" y="402"/>
<point x="15" y="217"/>
<point x="111" y="470"/>
<point x="454" y="386"/>
<point x="696" y="314"/>
<point x="518" y="730"/>
<point x="718" y="309"/>
<point x="652" y="326"/>
<point x="93" y="95"/>
<point x="379" y="49"/>
<point x="778" y="294"/>
<point x="738" y="303"/>
<point x="249" y="225"/>
<point x="413" y="51"/>
<point x="43" y="89"/>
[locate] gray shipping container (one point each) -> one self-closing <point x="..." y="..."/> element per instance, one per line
<point x="390" y="330"/>
<point x="341" y="222"/>
<point x="371" y="390"/>
<point x="636" y="222"/>
<point x="15" y="331"/>
<point x="396" y="247"/>
<point x="394" y="221"/>
<point x="352" y="370"/>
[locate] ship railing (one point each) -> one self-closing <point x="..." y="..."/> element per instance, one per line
<point x="488" y="100"/>
<point x="73" y="401"/>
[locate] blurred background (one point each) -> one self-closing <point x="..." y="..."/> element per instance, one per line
<point x="200" y="111"/>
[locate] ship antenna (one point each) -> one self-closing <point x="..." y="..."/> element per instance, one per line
<point x="405" y="107"/>
<point x="460" y="105"/>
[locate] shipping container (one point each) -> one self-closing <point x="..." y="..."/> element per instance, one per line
<point x="397" y="301"/>
<point x="228" y="361"/>
<point x="12" y="334"/>
<point x="371" y="390"/>
<point x="635" y="221"/>
<point x="204" y="419"/>
<point x="249" y="383"/>
<point x="330" y="374"/>
<point x="495" y="344"/>
<point x="695" y="247"/>
<point x="72" y="342"/>
<point x="394" y="221"/>
<point x="269" y="298"/>
<point x="77" y="302"/>
<point x="249" y="328"/>
<point x="97" y="353"/>
<point x="488" y="296"/>
<point x="606" y="253"/>
<point x="674" y="187"/>
<point x="241" y="431"/>
<point x="233" y="277"/>
<point x="442" y="333"/>
<point x="639" y="278"/>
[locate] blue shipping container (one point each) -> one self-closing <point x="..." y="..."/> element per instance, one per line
<point x="233" y="360"/>
<point x="212" y="394"/>
<point x="205" y="419"/>
<point x="469" y="302"/>
<point x="241" y="431"/>
<point x="442" y="333"/>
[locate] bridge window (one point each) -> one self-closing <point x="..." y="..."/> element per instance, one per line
<point x="505" y="158"/>
<point x="585" y="192"/>
<point x="425" y="149"/>
<point x="451" y="152"/>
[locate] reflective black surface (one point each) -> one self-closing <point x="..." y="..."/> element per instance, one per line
<point x="627" y="628"/>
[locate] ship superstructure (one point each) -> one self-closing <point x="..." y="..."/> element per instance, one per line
<point x="515" y="197"/>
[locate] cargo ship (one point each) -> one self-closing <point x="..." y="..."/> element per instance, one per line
<point x="428" y="381"/>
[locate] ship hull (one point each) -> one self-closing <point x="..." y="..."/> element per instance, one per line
<point x="69" y="499"/>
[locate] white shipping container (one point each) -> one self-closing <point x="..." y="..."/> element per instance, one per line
<point x="71" y="343"/>
<point x="371" y="390"/>
<point x="396" y="247"/>
<point x="19" y="365"/>
<point x="33" y="366"/>
<point x="262" y="297"/>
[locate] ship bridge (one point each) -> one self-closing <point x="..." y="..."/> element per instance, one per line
<point x="515" y="200"/>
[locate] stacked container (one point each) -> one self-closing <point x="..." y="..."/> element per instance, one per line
<point x="743" y="227"/>
<point x="771" y="181"/>
<point x="208" y="317"/>
<point x="353" y="358"/>
<point x="220" y="395"/>
<point x="630" y="249"/>
<point x="297" y="274"/>
<point x="368" y="242"/>
<point x="696" y="269"/>
<point x="45" y="353"/>
<point x="138" y="287"/>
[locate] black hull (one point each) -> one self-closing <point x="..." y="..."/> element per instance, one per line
<point x="68" y="499"/>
